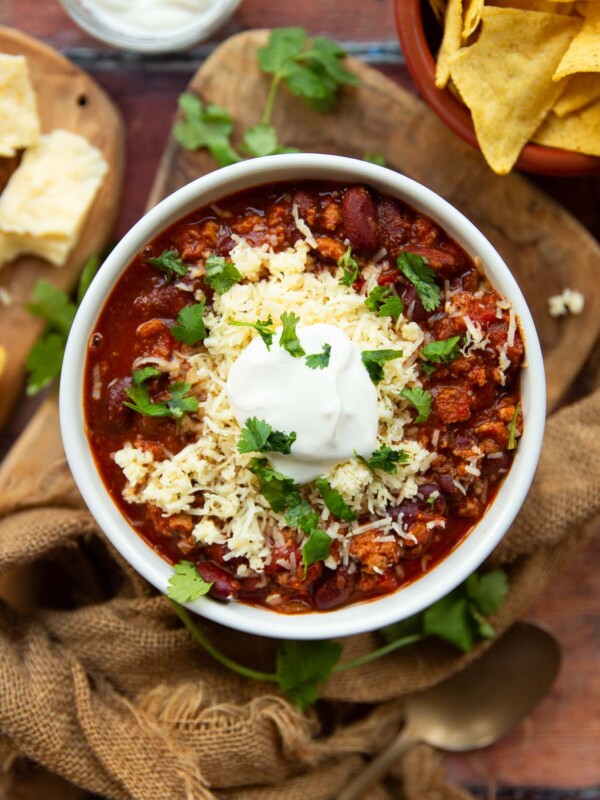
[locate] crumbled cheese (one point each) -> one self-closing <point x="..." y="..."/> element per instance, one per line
<point x="512" y="327"/>
<point x="303" y="227"/>
<point x="232" y="506"/>
<point x="5" y="297"/>
<point x="474" y="339"/>
<point x="569" y="301"/>
<point x="503" y="363"/>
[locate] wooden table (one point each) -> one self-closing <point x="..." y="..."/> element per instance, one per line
<point x="555" y="754"/>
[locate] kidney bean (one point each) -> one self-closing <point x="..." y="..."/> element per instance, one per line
<point x="117" y="417"/>
<point x="359" y="219"/>
<point x="448" y="487"/>
<point x="306" y="205"/>
<point x="394" y="226"/>
<point x="415" y="309"/>
<point x="445" y="264"/>
<point x="495" y="468"/>
<point x="334" y="590"/>
<point x="224" y="586"/>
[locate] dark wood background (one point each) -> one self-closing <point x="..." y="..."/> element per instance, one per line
<point x="555" y="754"/>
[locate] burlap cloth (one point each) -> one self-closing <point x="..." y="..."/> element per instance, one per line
<point x="102" y="686"/>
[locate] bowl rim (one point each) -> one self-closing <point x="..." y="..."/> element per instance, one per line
<point x="420" y="62"/>
<point x="358" y="617"/>
<point x="207" y="23"/>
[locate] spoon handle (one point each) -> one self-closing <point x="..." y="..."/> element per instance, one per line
<point x="380" y="766"/>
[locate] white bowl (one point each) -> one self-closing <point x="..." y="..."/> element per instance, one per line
<point x="100" y="28"/>
<point x="358" y="617"/>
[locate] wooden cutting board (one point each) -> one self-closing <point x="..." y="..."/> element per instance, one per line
<point x="546" y="249"/>
<point x="67" y="98"/>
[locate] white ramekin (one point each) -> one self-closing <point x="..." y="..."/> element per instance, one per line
<point x="358" y="617"/>
<point x="202" y="28"/>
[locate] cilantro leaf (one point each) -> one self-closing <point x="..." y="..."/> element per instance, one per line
<point x="288" y="339"/>
<point x="181" y="402"/>
<point x="420" y="399"/>
<point x="384" y="302"/>
<point x="186" y="583"/>
<point x="316" y="548"/>
<point x="319" y="360"/>
<point x="258" y="437"/>
<point x="443" y="350"/>
<point x="417" y="270"/>
<point x="279" y="491"/>
<point x="512" y="429"/>
<point x="261" y="140"/>
<point x="205" y="126"/>
<point x="334" y="501"/>
<point x="302" y="666"/>
<point x="375" y="158"/>
<point x="284" y="44"/>
<point x="90" y="268"/>
<point x="264" y="328"/>
<point x="384" y="459"/>
<point x="44" y="361"/>
<point x="427" y="367"/>
<point x="169" y="262"/>
<point x="350" y="267"/>
<point x="375" y="359"/>
<point x="221" y="274"/>
<point x="302" y="516"/>
<point x="488" y="592"/>
<point x="176" y="406"/>
<point x="190" y="327"/>
<point x="450" y="619"/>
<point x="53" y="305"/>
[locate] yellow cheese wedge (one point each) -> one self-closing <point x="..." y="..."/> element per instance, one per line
<point x="20" y="124"/>
<point x="47" y="198"/>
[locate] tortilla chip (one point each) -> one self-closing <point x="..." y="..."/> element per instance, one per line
<point x="547" y="6"/>
<point x="472" y="18"/>
<point x="583" y="54"/>
<point x="505" y="78"/>
<point x="438" y="7"/>
<point x="580" y="90"/>
<point x="579" y="131"/>
<point x="450" y="43"/>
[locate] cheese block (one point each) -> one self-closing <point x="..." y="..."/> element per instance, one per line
<point x="47" y="198"/>
<point x="20" y="126"/>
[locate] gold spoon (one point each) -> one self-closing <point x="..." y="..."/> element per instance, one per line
<point x="476" y="706"/>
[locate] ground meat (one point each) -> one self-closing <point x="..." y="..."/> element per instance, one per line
<point x="374" y="555"/>
<point x="451" y="403"/>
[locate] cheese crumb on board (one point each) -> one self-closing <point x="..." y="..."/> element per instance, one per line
<point x="46" y="200"/>
<point x="569" y="301"/>
<point x="20" y="124"/>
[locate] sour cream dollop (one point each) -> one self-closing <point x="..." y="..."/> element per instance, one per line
<point x="332" y="411"/>
<point x="151" y="17"/>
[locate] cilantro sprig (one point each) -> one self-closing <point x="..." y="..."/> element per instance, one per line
<point x="279" y="490"/>
<point x="374" y="361"/>
<point x="385" y="459"/>
<point x="221" y="274"/>
<point x="334" y="501"/>
<point x="442" y="351"/>
<point x="190" y="327"/>
<point x="512" y="428"/>
<point x="186" y="584"/>
<point x="44" y="361"/>
<point x="208" y="126"/>
<point x="419" y="399"/>
<point x="259" y="437"/>
<point x="180" y="402"/>
<point x="319" y="360"/>
<point x="170" y="263"/>
<point x="264" y="328"/>
<point x="459" y="619"/>
<point x="312" y="71"/>
<point x="384" y="302"/>
<point x="289" y="339"/>
<point x="417" y="270"/>
<point x="349" y="266"/>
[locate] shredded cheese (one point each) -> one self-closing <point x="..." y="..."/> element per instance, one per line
<point x="569" y="301"/>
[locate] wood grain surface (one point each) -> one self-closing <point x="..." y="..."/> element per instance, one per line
<point x="70" y="99"/>
<point x="544" y="246"/>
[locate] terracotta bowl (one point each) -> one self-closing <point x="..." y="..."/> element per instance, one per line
<point x="417" y="28"/>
